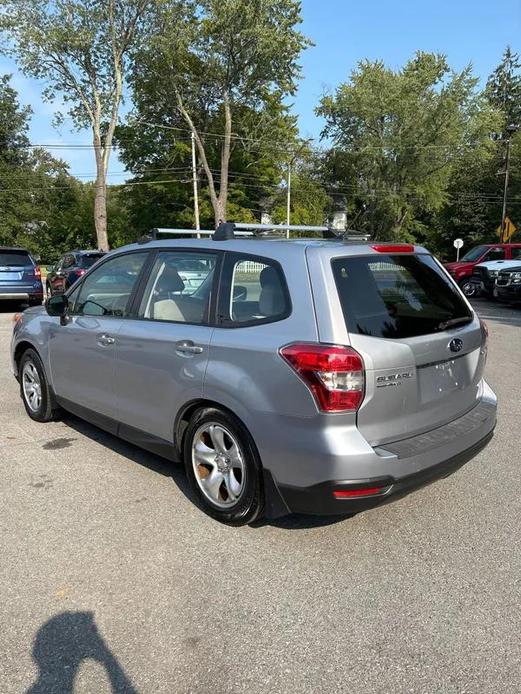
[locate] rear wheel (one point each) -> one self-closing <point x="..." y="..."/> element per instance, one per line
<point x="223" y="467"/>
<point x="34" y="389"/>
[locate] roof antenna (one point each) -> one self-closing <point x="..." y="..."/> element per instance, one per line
<point x="224" y="232"/>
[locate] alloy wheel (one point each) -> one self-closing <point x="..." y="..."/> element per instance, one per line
<point x="32" y="386"/>
<point x="218" y="464"/>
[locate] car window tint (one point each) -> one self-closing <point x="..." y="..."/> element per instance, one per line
<point x="258" y="292"/>
<point x="106" y="291"/>
<point x="516" y="253"/>
<point x="68" y="261"/>
<point x="496" y="254"/>
<point x="14" y="258"/>
<point x="88" y="259"/>
<point x="396" y="296"/>
<point x="179" y="287"/>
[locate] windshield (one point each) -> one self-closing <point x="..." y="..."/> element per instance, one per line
<point x="474" y="253"/>
<point x="397" y="296"/>
<point x="13" y="258"/>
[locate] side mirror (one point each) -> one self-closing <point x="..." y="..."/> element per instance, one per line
<point x="57" y="306"/>
<point x="240" y="293"/>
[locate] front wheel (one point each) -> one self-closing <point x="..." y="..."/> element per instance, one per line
<point x="223" y="467"/>
<point x="34" y="389"/>
<point x="470" y="289"/>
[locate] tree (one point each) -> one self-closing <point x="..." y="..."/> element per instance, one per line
<point x="212" y="60"/>
<point x="81" y="49"/>
<point x="503" y="89"/>
<point x="397" y="136"/>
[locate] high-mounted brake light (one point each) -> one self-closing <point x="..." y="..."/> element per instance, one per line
<point x="335" y="375"/>
<point x="393" y="248"/>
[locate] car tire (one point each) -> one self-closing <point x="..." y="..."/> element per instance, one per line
<point x="468" y="288"/>
<point x="36" y="394"/>
<point x="216" y="444"/>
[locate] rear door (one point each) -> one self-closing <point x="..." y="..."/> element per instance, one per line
<point x="420" y="341"/>
<point x="162" y="349"/>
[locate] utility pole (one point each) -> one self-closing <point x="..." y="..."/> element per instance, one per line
<point x="511" y="129"/>
<point x="288" y="205"/>
<point x="196" y="194"/>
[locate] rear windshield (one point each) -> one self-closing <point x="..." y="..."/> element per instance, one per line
<point x="397" y="296"/>
<point x="86" y="261"/>
<point x="10" y="258"/>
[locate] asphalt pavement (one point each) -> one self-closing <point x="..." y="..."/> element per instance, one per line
<point x="111" y="580"/>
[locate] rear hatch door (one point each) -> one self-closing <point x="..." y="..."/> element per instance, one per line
<point x="16" y="267"/>
<point x="420" y="340"/>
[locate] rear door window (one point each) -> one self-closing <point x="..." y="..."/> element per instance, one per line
<point x="397" y="296"/>
<point x="88" y="259"/>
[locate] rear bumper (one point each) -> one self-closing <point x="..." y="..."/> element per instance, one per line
<point x="319" y="499"/>
<point x="390" y="470"/>
<point x="21" y="293"/>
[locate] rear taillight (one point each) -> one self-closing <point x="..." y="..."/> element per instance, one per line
<point x="393" y="248"/>
<point x="80" y="273"/>
<point x="484" y="337"/>
<point x="335" y="375"/>
<point x="37" y="272"/>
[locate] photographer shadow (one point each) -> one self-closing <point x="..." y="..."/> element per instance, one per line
<point x="61" y="645"/>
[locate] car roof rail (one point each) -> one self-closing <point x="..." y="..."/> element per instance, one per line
<point x="230" y="230"/>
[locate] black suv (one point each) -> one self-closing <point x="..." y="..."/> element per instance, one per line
<point x="20" y="277"/>
<point x="68" y="269"/>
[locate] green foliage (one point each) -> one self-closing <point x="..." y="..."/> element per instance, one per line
<point x="503" y="89"/>
<point x="397" y="137"/>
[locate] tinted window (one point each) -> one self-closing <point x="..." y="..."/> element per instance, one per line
<point x="516" y="253"/>
<point x="396" y="296"/>
<point x="86" y="261"/>
<point x="10" y="258"/>
<point x="174" y="296"/>
<point x="106" y="291"/>
<point x="496" y="254"/>
<point x="474" y="253"/>
<point x="256" y="293"/>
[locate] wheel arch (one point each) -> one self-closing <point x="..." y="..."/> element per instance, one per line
<point x="186" y="413"/>
<point x="20" y="350"/>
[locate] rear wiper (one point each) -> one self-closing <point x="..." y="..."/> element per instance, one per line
<point x="454" y="321"/>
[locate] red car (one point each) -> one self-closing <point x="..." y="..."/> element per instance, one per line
<point x="462" y="270"/>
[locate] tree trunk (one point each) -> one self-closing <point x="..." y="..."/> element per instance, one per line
<point x="100" y="212"/>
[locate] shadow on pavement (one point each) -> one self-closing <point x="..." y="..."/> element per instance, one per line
<point x="507" y="314"/>
<point x="60" y="646"/>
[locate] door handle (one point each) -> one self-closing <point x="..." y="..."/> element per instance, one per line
<point x="105" y="340"/>
<point x="187" y="347"/>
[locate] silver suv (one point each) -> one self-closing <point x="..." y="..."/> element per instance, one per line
<point x="313" y="376"/>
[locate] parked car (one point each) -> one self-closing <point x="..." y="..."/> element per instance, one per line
<point x="20" y="277"/>
<point x="508" y="285"/>
<point x="483" y="278"/>
<point x="462" y="270"/>
<point x="68" y="269"/>
<point x="307" y="376"/>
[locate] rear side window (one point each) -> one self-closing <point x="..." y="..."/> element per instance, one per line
<point x="253" y="291"/>
<point x="14" y="258"/>
<point x="516" y="253"/>
<point x="397" y="296"/>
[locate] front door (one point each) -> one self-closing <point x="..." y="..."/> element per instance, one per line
<point x="82" y="350"/>
<point x="162" y="351"/>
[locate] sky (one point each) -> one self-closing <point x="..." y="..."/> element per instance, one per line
<point x="344" y="32"/>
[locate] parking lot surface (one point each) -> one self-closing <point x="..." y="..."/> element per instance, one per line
<point x="113" y="581"/>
